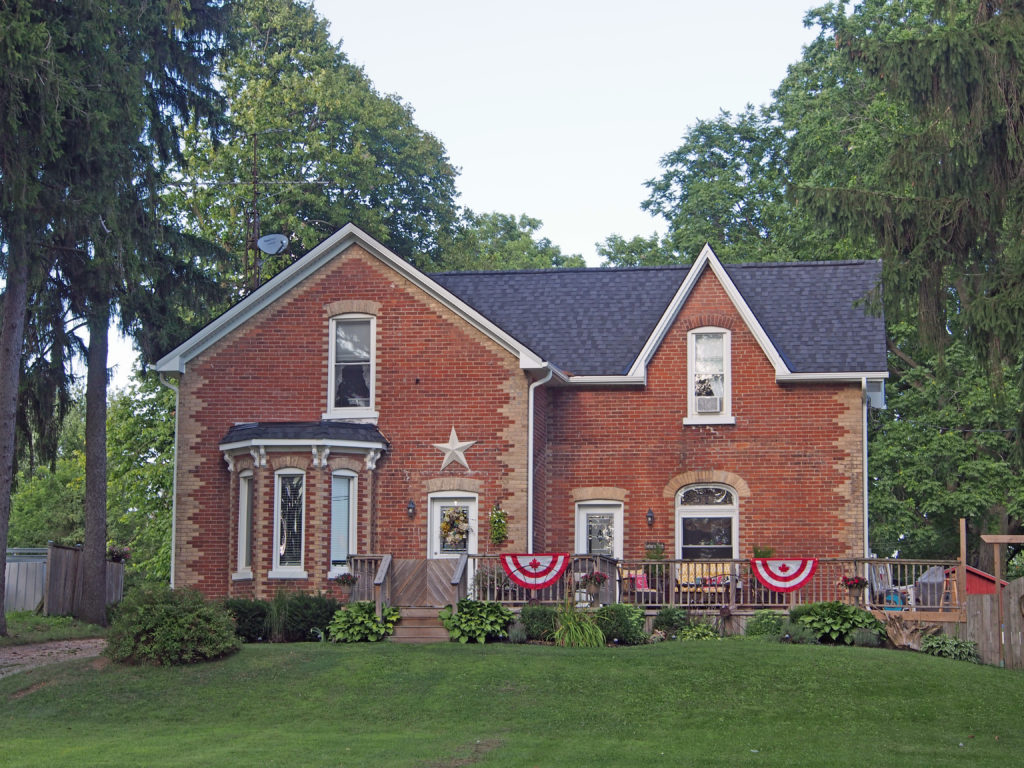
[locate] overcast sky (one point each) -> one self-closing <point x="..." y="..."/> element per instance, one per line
<point x="562" y="110"/>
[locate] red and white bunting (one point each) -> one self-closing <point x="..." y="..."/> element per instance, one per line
<point x="780" y="575"/>
<point x="535" y="571"/>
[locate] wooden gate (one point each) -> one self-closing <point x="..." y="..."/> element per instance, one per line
<point x="983" y="625"/>
<point x="424" y="583"/>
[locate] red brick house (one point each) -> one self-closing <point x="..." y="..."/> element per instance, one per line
<point x="355" y="405"/>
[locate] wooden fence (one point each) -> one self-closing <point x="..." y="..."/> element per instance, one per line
<point x="983" y="625"/>
<point x="65" y="570"/>
<point x="52" y="577"/>
<point x="25" y="578"/>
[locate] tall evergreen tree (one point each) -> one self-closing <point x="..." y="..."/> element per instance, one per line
<point x="132" y="75"/>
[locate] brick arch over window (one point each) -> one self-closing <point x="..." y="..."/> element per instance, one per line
<point x="352" y="306"/>
<point x="599" y="492"/>
<point x="335" y="463"/>
<point x="709" y="320"/>
<point x="302" y="461"/>
<point x="698" y="476"/>
<point x="442" y="484"/>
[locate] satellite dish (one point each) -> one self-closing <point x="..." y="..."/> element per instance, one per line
<point x="272" y="244"/>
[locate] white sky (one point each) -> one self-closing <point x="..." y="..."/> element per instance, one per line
<point x="562" y="109"/>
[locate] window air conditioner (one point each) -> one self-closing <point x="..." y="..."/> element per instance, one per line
<point x="709" y="405"/>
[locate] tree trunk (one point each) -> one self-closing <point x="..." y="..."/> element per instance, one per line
<point x="94" y="588"/>
<point x="12" y="338"/>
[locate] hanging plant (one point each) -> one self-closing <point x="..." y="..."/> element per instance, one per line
<point x="499" y="525"/>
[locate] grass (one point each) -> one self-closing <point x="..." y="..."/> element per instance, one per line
<point x="728" y="703"/>
<point x="24" y="627"/>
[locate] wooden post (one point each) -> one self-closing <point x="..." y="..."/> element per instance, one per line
<point x="961" y="571"/>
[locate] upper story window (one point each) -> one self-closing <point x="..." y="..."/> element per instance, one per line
<point x="709" y="377"/>
<point x="353" y="364"/>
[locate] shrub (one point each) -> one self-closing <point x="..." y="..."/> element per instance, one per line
<point x="576" y="628"/>
<point x="834" y="622"/>
<point x="865" y="638"/>
<point x="250" y="618"/>
<point x="158" y="625"/>
<point x="801" y="609"/>
<point x="517" y="633"/>
<point x="539" y="621"/>
<point x="951" y="648"/>
<point x="476" y="620"/>
<point x="306" y="613"/>
<point x="797" y="633"/>
<point x="764" y="623"/>
<point x="358" y="622"/>
<point x="670" y="620"/>
<point x="622" y="623"/>
<point x="698" y="630"/>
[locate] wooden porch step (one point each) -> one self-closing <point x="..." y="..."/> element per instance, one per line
<point x="420" y="625"/>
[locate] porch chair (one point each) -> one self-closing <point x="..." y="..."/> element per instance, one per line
<point x="883" y="592"/>
<point x="636" y="587"/>
<point x="699" y="581"/>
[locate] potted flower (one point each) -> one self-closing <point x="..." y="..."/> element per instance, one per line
<point x="347" y="582"/>
<point x="855" y="584"/>
<point x="592" y="582"/>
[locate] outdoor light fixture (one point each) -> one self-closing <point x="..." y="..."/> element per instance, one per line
<point x="650" y="517"/>
<point x="411" y="509"/>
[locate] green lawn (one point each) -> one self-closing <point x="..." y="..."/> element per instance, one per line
<point x="24" y="627"/>
<point x="726" y="703"/>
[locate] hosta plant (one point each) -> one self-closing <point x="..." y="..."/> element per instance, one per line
<point x="476" y="620"/>
<point x="358" y="622"/>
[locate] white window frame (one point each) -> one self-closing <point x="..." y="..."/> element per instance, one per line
<point x="725" y="416"/>
<point x="368" y="412"/>
<point x="599" y="506"/>
<point x="279" y="571"/>
<point x="246" y="501"/>
<point x="684" y="511"/>
<point x="353" y="496"/>
<point x="434" y="502"/>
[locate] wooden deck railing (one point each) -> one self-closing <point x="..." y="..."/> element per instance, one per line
<point x="928" y="588"/>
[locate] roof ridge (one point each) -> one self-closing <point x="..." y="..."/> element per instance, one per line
<point x="563" y="270"/>
<point x="817" y="262"/>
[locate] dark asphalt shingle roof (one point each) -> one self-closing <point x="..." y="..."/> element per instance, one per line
<point x="592" y="322"/>
<point x="303" y="430"/>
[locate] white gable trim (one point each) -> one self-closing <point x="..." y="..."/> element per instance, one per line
<point x="326" y="251"/>
<point x="705" y="260"/>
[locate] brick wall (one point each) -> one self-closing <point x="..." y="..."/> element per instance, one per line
<point x="433" y="372"/>
<point x="794" y="454"/>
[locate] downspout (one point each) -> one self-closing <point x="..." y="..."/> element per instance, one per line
<point x="174" y="482"/>
<point x="864" y="441"/>
<point x="529" y="460"/>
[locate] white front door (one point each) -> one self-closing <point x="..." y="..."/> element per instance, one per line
<point x="453" y="525"/>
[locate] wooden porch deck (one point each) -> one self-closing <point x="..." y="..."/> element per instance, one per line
<point x="928" y="590"/>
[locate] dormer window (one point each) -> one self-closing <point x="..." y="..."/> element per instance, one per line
<point x="708" y="377"/>
<point x="352" y="376"/>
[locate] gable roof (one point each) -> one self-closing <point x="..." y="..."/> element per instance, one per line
<point x="605" y="324"/>
<point x="329" y="249"/>
<point x="599" y="322"/>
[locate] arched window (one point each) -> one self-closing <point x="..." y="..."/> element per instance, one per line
<point x="707" y="523"/>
